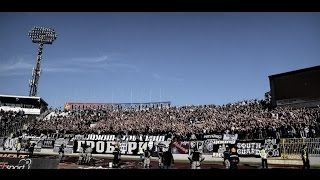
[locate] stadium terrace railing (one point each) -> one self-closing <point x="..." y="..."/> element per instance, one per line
<point x="291" y="147"/>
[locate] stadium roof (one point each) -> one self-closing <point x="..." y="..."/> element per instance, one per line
<point x="118" y="103"/>
<point x="295" y="72"/>
<point x="25" y="97"/>
<point x="85" y="103"/>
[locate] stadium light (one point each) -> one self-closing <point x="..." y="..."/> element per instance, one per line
<point x="41" y="36"/>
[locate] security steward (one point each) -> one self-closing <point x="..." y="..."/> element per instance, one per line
<point x="18" y="147"/>
<point x="264" y="155"/>
<point x="140" y="152"/>
<point x="305" y="158"/>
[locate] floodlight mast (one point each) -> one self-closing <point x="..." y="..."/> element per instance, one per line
<point x="41" y="36"/>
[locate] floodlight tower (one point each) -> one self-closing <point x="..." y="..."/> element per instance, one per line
<point x="41" y="36"/>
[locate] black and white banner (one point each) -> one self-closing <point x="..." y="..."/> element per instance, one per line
<point x="112" y="137"/>
<point x="230" y="137"/>
<point x="197" y="144"/>
<point x="10" y="143"/>
<point x="220" y="136"/>
<point x="272" y="147"/>
<point x="244" y="148"/>
<point x="216" y="147"/>
<point x="212" y="136"/>
<point x="105" y="144"/>
<point x="107" y="147"/>
<point x="48" y="143"/>
<point x="251" y="148"/>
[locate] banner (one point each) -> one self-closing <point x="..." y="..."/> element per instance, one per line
<point x="28" y="163"/>
<point x="272" y="147"/>
<point x="251" y="148"/>
<point x="230" y="136"/>
<point x="13" y="155"/>
<point x="10" y="144"/>
<point x="48" y="143"/>
<point x="112" y="137"/>
<point x="198" y="144"/>
<point x="216" y="147"/>
<point x="244" y="148"/>
<point x="179" y="147"/>
<point x="214" y="144"/>
<point x="107" y="147"/>
<point x="129" y="144"/>
<point x="212" y="136"/>
<point x="163" y="145"/>
<point x="127" y="147"/>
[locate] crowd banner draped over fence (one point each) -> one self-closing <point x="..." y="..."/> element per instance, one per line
<point x="212" y="144"/>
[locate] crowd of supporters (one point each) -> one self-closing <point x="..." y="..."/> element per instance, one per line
<point x="249" y="119"/>
<point x="11" y="122"/>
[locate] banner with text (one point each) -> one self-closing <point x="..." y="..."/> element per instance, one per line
<point x="216" y="147"/>
<point x="107" y="147"/>
<point x="212" y="136"/>
<point x="28" y="163"/>
<point x="251" y="148"/>
<point x="112" y="137"/>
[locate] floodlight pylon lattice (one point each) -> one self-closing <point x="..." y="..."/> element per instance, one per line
<point x="41" y="36"/>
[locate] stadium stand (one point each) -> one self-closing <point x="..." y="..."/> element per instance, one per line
<point x="249" y="119"/>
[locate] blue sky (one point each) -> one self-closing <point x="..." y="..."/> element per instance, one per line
<point x="185" y="58"/>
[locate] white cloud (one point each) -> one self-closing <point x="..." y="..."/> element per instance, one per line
<point x="15" y="73"/>
<point x="90" y="60"/>
<point x="118" y="66"/>
<point x="175" y="79"/>
<point x="60" y="69"/>
<point x="156" y="76"/>
<point x="64" y="65"/>
<point x="19" y="65"/>
<point x="96" y="64"/>
<point x="15" y="67"/>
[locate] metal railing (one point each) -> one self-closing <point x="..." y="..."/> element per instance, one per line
<point x="291" y="147"/>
